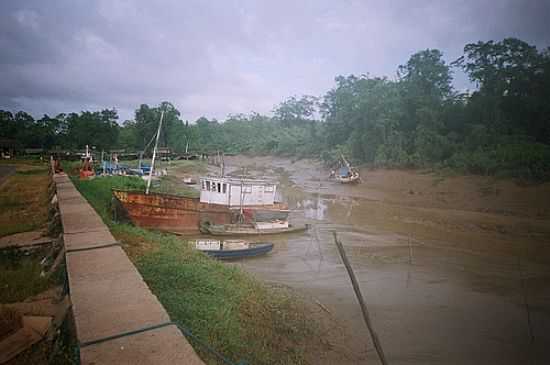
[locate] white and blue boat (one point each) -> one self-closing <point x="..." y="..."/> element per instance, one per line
<point x="232" y="249"/>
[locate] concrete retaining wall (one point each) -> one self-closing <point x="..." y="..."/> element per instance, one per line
<point x="118" y="320"/>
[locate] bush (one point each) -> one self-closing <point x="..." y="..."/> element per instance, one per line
<point x="529" y="161"/>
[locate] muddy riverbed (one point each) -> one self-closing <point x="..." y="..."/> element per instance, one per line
<point x="455" y="270"/>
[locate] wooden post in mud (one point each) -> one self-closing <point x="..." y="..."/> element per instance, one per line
<point x="359" y="296"/>
<point x="410" y="251"/>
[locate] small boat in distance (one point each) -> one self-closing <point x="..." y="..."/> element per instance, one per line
<point x="252" y="229"/>
<point x="347" y="174"/>
<point x="232" y="249"/>
<point x="189" y="181"/>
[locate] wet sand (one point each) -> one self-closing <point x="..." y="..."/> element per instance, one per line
<point x="459" y="277"/>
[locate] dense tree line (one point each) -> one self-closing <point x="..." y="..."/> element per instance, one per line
<point x="415" y="120"/>
<point x="68" y="131"/>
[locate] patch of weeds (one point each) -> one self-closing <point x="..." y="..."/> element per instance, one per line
<point x="20" y="275"/>
<point x="24" y="199"/>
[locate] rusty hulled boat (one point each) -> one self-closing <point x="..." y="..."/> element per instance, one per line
<point x="222" y="201"/>
<point x="166" y="212"/>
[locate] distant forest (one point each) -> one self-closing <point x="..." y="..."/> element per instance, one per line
<point x="417" y="120"/>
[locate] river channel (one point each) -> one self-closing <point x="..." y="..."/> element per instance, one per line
<point x="432" y="301"/>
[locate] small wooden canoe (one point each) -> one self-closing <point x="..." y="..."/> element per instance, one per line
<point x="249" y="229"/>
<point x="233" y="250"/>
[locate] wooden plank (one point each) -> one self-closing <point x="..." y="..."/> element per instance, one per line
<point x="34" y="329"/>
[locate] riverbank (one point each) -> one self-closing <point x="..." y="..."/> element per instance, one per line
<point x="453" y="268"/>
<point x="236" y="314"/>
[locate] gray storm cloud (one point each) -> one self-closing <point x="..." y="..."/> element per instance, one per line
<point x="216" y="58"/>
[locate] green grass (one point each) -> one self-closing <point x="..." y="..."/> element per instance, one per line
<point x="98" y="191"/>
<point x="24" y="199"/>
<point x="221" y="304"/>
<point x="171" y="185"/>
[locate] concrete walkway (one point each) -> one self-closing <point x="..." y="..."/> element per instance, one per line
<point x="118" y="320"/>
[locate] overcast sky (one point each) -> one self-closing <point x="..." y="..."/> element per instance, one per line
<point x="213" y="58"/>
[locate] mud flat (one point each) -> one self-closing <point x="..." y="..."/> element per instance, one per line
<point x="455" y="270"/>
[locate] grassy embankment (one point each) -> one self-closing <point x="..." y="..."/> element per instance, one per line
<point x="24" y="202"/>
<point x="222" y="305"/>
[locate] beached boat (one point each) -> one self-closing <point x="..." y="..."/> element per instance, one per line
<point x="219" y="203"/>
<point x="347" y="174"/>
<point x="232" y="249"/>
<point x="166" y="212"/>
<point x="251" y="229"/>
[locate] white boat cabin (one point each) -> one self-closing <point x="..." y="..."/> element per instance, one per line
<point x="235" y="192"/>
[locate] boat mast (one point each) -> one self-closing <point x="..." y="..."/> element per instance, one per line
<point x="241" y="212"/>
<point x="222" y="165"/>
<point x="154" y="154"/>
<point x="345" y="161"/>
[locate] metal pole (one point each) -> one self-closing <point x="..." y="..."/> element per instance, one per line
<point x="154" y="154"/>
<point x="357" y="290"/>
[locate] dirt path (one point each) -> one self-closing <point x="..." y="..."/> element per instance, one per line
<point x="5" y="172"/>
<point x="454" y="269"/>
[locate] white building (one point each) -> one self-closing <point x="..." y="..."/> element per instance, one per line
<point x="235" y="192"/>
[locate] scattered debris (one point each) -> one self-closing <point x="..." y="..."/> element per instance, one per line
<point x="322" y="306"/>
<point x="25" y="240"/>
<point x="24" y="324"/>
<point x="33" y="329"/>
<point x="58" y="260"/>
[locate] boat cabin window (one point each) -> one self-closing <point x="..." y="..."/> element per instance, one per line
<point x="203" y="185"/>
<point x="219" y="188"/>
<point x="224" y="188"/>
<point x="269" y="188"/>
<point x="208" y="185"/>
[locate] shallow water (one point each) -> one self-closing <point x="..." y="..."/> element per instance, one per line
<point x="431" y="302"/>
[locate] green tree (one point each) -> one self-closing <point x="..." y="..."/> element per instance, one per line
<point x="293" y="111"/>
<point x="99" y="129"/>
<point x="514" y="86"/>
<point x="147" y="121"/>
